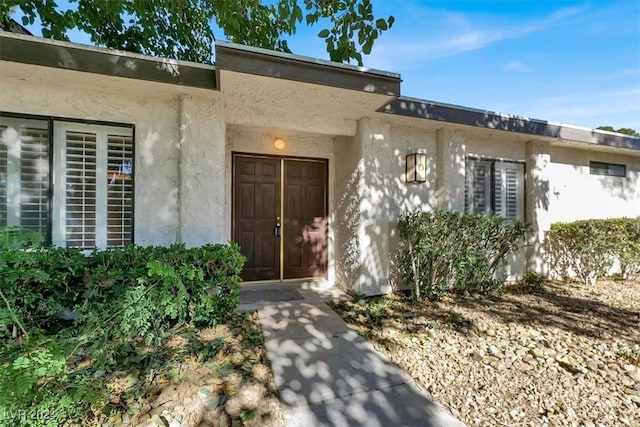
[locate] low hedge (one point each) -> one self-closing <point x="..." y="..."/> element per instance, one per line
<point x="111" y="309"/>
<point x="47" y="285"/>
<point x="445" y="251"/>
<point x="588" y="249"/>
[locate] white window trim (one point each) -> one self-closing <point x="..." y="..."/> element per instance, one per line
<point x="59" y="166"/>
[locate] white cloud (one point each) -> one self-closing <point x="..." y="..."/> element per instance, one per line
<point x="516" y="66"/>
<point x="618" y="107"/>
<point x="446" y="34"/>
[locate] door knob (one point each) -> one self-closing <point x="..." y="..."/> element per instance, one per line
<point x="276" y="229"/>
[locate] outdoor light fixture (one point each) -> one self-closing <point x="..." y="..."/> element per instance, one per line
<point x="278" y="143"/>
<point x="416" y="168"/>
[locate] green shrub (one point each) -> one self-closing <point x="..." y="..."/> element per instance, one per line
<point x="533" y="280"/>
<point x="450" y="251"/>
<point x="626" y="246"/>
<point x="59" y="306"/>
<point x="38" y="284"/>
<point x="588" y="249"/>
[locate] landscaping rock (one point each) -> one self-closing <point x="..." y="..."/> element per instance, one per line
<point x="564" y="356"/>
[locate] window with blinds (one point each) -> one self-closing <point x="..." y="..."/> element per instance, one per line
<point x="92" y="176"/>
<point x="24" y="174"/>
<point x="80" y="187"/>
<point x="119" y="189"/>
<point x="94" y="166"/>
<point x="494" y="187"/>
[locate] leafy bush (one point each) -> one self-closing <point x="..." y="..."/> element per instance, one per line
<point x="588" y="249"/>
<point x="38" y="285"/>
<point x="60" y="306"/>
<point x="450" y="251"/>
<point x="534" y="281"/>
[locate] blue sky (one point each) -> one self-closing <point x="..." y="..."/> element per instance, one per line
<point x="572" y="62"/>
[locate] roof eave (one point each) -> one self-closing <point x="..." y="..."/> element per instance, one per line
<point x="268" y="63"/>
<point x="71" y="56"/>
<point x="431" y="110"/>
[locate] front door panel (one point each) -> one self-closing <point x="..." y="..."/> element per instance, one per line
<point x="293" y="193"/>
<point x="305" y="225"/>
<point x="256" y="207"/>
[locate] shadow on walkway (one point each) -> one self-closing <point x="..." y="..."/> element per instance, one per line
<point x="328" y="375"/>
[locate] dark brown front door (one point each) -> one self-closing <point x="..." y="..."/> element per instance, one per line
<point x="256" y="207"/>
<point x="305" y="224"/>
<point x="282" y="238"/>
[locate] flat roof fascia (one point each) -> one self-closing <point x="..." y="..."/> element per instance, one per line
<point x="263" y="62"/>
<point x="71" y="56"/>
<point x="431" y="110"/>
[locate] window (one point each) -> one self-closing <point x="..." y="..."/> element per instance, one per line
<point x="24" y="174"/>
<point x="92" y="177"/>
<point x="610" y="169"/>
<point x="494" y="187"/>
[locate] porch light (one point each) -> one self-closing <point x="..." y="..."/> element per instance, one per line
<point x="416" y="168"/>
<point x="278" y="143"/>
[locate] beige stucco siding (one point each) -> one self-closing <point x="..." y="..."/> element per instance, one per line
<point x="496" y="145"/>
<point x="179" y="143"/>
<point x="577" y="194"/>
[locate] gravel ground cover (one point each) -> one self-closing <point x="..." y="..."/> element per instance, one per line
<point x="561" y="354"/>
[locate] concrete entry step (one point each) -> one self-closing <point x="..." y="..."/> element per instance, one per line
<point x="269" y="295"/>
<point x="255" y="296"/>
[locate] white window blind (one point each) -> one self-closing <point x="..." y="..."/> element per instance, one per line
<point x="494" y="187"/>
<point x="93" y="166"/>
<point x="509" y="190"/>
<point x="120" y="189"/>
<point x="80" y="189"/>
<point x="24" y="174"/>
<point x="478" y="186"/>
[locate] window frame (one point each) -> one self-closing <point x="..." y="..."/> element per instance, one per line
<point x="51" y="120"/>
<point x="492" y="198"/>
<point x="594" y="170"/>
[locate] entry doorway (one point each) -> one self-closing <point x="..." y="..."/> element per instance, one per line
<point x="280" y="216"/>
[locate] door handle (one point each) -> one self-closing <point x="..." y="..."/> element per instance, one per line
<point x="276" y="229"/>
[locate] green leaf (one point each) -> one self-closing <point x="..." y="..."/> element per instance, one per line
<point x="381" y="24"/>
<point x="366" y="48"/>
<point x="324" y="34"/>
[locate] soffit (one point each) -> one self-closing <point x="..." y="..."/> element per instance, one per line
<point x="256" y="100"/>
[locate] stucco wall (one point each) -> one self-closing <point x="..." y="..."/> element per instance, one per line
<point x="346" y="217"/>
<point x="373" y="193"/>
<point x="496" y="145"/>
<point x="154" y="113"/>
<point x="202" y="170"/>
<point x="297" y="144"/>
<point x="576" y="194"/>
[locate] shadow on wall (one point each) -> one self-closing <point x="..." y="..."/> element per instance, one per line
<point x="624" y="188"/>
<point x="373" y="196"/>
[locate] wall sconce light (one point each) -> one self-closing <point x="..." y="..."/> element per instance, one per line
<point x="416" y="168"/>
<point x="278" y="143"/>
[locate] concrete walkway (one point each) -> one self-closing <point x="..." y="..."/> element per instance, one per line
<point x="327" y="375"/>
